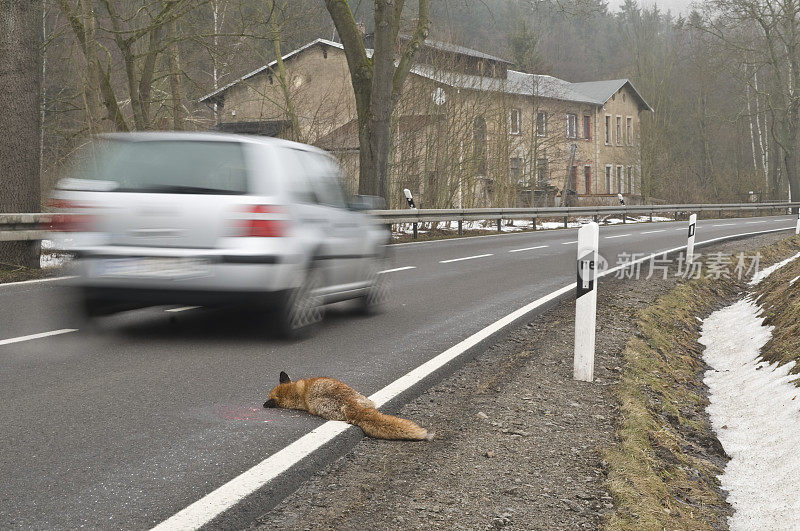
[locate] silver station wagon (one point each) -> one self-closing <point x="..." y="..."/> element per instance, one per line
<point x="208" y="219"/>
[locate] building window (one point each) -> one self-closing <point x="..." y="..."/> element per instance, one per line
<point x="479" y="144"/>
<point x="513" y="121"/>
<point x="630" y="179"/>
<point x="541" y="123"/>
<point x="515" y="169"/>
<point x="542" y="178"/>
<point x="619" y="130"/>
<point x="587" y="179"/>
<point x="608" y="131"/>
<point x="620" y="179"/>
<point x="572" y="126"/>
<point x="629" y="130"/>
<point x="587" y="128"/>
<point x="609" y="175"/>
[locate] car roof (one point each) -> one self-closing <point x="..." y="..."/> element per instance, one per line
<point x="148" y="136"/>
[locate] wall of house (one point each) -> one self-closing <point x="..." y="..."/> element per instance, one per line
<point x="623" y="151"/>
<point x="319" y="88"/>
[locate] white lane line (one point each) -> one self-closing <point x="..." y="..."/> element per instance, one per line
<point x="652" y="231"/>
<point x="396" y="269"/>
<point x="794" y="280"/>
<point x="218" y="501"/>
<point x="682" y="228"/>
<point x="35" y="281"/>
<point x="617" y="236"/>
<point x="182" y="309"/>
<point x="723" y="224"/>
<point x="752" y="222"/>
<point x="465" y="258"/>
<point x="528" y="249"/>
<point x="37" y="336"/>
<point x="567" y="243"/>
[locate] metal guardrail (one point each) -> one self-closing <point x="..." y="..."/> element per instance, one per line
<point x="17" y="227"/>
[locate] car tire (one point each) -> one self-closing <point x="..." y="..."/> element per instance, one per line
<point x="377" y="295"/>
<point x="301" y="311"/>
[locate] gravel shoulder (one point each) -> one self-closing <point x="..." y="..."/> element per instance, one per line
<point x="519" y="444"/>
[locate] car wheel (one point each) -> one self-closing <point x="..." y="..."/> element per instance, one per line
<point x="377" y="295"/>
<point x="301" y="310"/>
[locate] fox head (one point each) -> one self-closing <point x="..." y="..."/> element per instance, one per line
<point x="282" y="395"/>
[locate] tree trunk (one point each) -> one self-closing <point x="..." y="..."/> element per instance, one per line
<point x="175" y="79"/>
<point x="20" y="84"/>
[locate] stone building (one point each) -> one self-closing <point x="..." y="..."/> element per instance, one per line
<point x="468" y="130"/>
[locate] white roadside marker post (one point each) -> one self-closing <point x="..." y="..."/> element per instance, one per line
<point x="690" y="242"/>
<point x="797" y="228"/>
<point x="586" y="302"/>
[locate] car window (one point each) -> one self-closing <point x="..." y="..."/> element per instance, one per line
<point x="168" y="166"/>
<point x="324" y="176"/>
<point x="298" y="184"/>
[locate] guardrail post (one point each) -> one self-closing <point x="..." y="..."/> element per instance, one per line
<point x="741" y="214"/>
<point x="624" y="217"/>
<point x="499" y="224"/>
<point x="460" y="227"/>
<point x="415" y="230"/>
<point x="690" y="240"/>
<point x="651" y="215"/>
<point x="595" y="218"/>
<point x="586" y="302"/>
<point x="566" y="221"/>
<point x="720" y="214"/>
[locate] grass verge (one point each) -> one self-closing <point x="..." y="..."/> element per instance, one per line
<point x="9" y="273"/>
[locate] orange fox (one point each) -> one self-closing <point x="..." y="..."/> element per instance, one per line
<point x="334" y="400"/>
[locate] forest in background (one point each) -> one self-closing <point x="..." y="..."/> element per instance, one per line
<point x="719" y="130"/>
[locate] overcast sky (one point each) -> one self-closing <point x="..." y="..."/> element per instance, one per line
<point x="676" y="6"/>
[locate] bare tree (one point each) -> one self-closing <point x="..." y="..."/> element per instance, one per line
<point x="20" y="83"/>
<point x="377" y="81"/>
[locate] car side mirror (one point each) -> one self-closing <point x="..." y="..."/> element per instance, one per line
<point x="367" y="202"/>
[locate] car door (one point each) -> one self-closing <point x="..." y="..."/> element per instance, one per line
<point x="349" y="252"/>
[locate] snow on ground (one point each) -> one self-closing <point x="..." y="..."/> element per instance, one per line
<point x="755" y="413"/>
<point x="767" y="271"/>
<point x="518" y="224"/>
<point x="51" y="257"/>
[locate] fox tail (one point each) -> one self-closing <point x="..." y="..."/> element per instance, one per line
<point x="380" y="426"/>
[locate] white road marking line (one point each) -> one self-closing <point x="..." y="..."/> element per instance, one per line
<point x="528" y="248"/>
<point x="35" y="281"/>
<point x="465" y="258"/>
<point x="682" y="228"/>
<point x="567" y="243"/>
<point x="218" y="501"/>
<point x="751" y="222"/>
<point x="37" y="336"/>
<point x="617" y="236"/>
<point x="723" y="225"/>
<point x="397" y="269"/>
<point x="182" y="309"/>
<point x="652" y="231"/>
<point x="794" y="280"/>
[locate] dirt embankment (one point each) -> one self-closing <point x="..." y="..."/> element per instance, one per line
<point x="520" y="445"/>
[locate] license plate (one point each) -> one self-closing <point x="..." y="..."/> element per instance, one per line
<point x="152" y="267"/>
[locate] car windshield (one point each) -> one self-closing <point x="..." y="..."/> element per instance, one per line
<point x="170" y="167"/>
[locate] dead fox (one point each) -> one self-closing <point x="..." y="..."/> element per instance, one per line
<point x="334" y="400"/>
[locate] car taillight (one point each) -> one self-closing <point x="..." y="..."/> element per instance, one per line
<point x="76" y="217"/>
<point x="260" y="221"/>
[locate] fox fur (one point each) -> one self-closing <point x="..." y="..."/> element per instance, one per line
<point x="334" y="400"/>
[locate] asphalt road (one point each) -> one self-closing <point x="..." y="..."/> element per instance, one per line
<point x="123" y="426"/>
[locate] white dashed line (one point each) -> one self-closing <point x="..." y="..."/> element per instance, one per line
<point x="182" y="309"/>
<point x="652" y="231"/>
<point x="723" y="225"/>
<point x="37" y="336"/>
<point x="682" y="228"/>
<point x="617" y="236"/>
<point x="567" y="243"/>
<point x="35" y="281"/>
<point x="528" y="248"/>
<point x="396" y="269"/>
<point x="465" y="258"/>
<point x="752" y="222"/>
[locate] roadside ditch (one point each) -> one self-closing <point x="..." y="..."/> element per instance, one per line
<point x="520" y="445"/>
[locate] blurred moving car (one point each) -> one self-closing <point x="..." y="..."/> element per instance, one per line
<point x="210" y="219"/>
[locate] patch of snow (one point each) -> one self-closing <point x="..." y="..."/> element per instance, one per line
<point x="756" y="415"/>
<point x="767" y="271"/>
